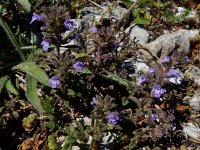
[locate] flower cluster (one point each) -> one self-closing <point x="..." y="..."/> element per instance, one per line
<point x="112" y="119"/>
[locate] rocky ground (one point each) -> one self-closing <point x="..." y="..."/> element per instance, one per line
<point x="144" y="35"/>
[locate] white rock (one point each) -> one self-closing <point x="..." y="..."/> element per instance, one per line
<point x="141" y="67"/>
<point x="92" y="14"/>
<point x="195" y="100"/>
<point x="193" y="72"/>
<point x="75" y="148"/>
<point x="138" y="34"/>
<point x="191" y="130"/>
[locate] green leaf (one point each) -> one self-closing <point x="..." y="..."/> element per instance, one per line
<point x="108" y="75"/>
<point x="86" y="71"/>
<point x="34" y="70"/>
<point x="69" y="140"/>
<point x="125" y="102"/>
<point x="25" y="4"/>
<point x="67" y="34"/>
<point x="143" y="18"/>
<point x="52" y="144"/>
<point x="10" y="87"/>
<point x="70" y="92"/>
<point x="3" y="81"/>
<point x="11" y="37"/>
<point x="31" y="93"/>
<point x="128" y="3"/>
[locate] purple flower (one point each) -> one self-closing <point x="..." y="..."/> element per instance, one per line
<point x="36" y="17"/>
<point x="154" y="117"/>
<point x="115" y="44"/>
<point x="141" y="79"/>
<point x="93" y="102"/>
<point x="112" y="119"/>
<point x="54" y="82"/>
<point x="173" y="73"/>
<point x="157" y="91"/>
<point x="165" y="59"/>
<point x="93" y="29"/>
<point x="74" y="36"/>
<point x="69" y="24"/>
<point x="152" y="71"/>
<point x="185" y="60"/>
<point x="46" y="45"/>
<point x="78" y="65"/>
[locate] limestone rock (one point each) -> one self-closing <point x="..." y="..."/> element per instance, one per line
<point x="138" y="34"/>
<point x="193" y="72"/>
<point x="165" y="44"/>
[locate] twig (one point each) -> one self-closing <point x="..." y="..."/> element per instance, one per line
<point x="155" y="58"/>
<point x="119" y="23"/>
<point x="96" y="4"/>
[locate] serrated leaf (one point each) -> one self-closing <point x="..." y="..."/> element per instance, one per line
<point x="52" y="144"/>
<point x="10" y="87"/>
<point x="31" y="93"/>
<point x="3" y="81"/>
<point x="34" y="70"/>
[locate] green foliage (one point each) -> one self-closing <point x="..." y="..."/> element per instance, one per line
<point x="141" y="16"/>
<point x="34" y="70"/>
<point x="69" y="140"/>
<point x="25" y="4"/>
<point x="123" y="82"/>
<point x="52" y="144"/>
<point x="10" y="87"/>
<point x="11" y="37"/>
<point x="170" y="16"/>
<point x="140" y="13"/>
<point x="31" y="93"/>
<point x="3" y="81"/>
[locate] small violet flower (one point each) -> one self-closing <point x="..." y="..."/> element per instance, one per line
<point x="93" y="102"/>
<point x="69" y="24"/>
<point x="173" y="73"/>
<point x="36" y="17"/>
<point x="165" y="59"/>
<point x="93" y="29"/>
<point x="78" y="65"/>
<point x="115" y="44"/>
<point x="175" y="76"/>
<point x="54" y="82"/>
<point x="152" y="71"/>
<point x="112" y="119"/>
<point x="154" y="117"/>
<point x="46" y="45"/>
<point x="141" y="80"/>
<point x="157" y="91"/>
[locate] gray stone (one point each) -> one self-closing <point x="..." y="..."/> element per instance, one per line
<point x="165" y="44"/>
<point x="92" y="14"/>
<point x="193" y="72"/>
<point x="195" y="100"/>
<point x="138" y="34"/>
